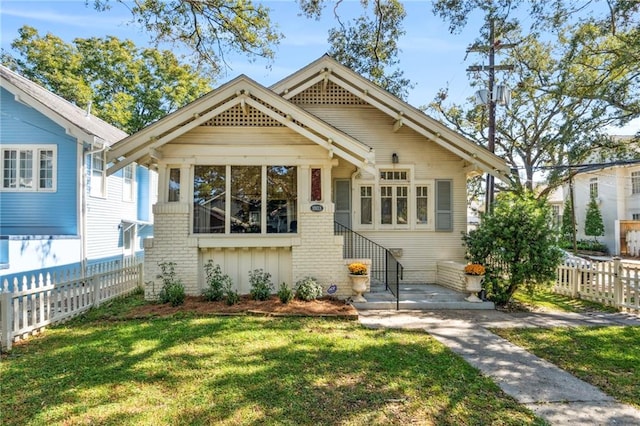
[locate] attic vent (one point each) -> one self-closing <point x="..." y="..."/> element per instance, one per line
<point x="235" y="117"/>
<point x="333" y="95"/>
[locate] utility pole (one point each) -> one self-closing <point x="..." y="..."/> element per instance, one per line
<point x="491" y="98"/>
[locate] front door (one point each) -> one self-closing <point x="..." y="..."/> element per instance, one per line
<point x="342" y="201"/>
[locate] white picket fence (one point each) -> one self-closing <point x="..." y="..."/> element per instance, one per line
<point x="29" y="304"/>
<point x="633" y="243"/>
<point x="611" y="283"/>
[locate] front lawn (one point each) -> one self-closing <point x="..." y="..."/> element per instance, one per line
<point x="607" y="357"/>
<point x="546" y="300"/>
<point x="244" y="370"/>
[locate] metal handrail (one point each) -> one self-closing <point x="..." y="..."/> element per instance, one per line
<point x="384" y="266"/>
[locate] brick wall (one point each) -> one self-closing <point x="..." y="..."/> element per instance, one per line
<point x="319" y="253"/>
<point x="171" y="243"/>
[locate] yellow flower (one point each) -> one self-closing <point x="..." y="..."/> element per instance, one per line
<point x="357" y="268"/>
<point x="474" y="269"/>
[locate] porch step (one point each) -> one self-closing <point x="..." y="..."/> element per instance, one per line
<point x="418" y="297"/>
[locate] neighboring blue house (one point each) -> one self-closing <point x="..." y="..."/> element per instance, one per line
<point x="58" y="208"/>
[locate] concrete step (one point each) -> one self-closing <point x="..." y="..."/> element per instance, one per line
<point x="418" y="297"/>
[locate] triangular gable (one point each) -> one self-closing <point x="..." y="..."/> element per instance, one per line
<point x="246" y="94"/>
<point x="76" y="121"/>
<point x="326" y="71"/>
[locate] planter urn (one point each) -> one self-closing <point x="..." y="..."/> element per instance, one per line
<point x="359" y="286"/>
<point x="474" y="285"/>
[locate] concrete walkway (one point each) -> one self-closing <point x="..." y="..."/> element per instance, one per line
<point x="547" y="390"/>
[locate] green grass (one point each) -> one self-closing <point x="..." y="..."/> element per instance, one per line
<point x="243" y="371"/>
<point x="607" y="357"/>
<point x="555" y="302"/>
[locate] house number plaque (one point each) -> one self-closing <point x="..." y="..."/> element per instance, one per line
<point x="316" y="207"/>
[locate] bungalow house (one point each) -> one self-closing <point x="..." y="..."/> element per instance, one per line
<point x="254" y="177"/>
<point x="58" y="208"/>
<point x="616" y="188"/>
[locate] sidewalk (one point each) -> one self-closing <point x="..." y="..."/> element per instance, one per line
<point x="550" y="392"/>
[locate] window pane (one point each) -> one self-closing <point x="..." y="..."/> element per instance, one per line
<point x="10" y="159"/>
<point x="282" y="196"/>
<point x="422" y="204"/>
<point x="46" y="169"/>
<point x="401" y="205"/>
<point x="366" y="205"/>
<point x="246" y="199"/>
<point x="208" y="199"/>
<point x="128" y="182"/>
<point x="386" y="202"/>
<point x="26" y="169"/>
<point x="635" y="182"/>
<point x="97" y="174"/>
<point x="174" y="185"/>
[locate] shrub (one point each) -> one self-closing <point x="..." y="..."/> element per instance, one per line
<point x="231" y="295"/>
<point x="261" y="286"/>
<point x="216" y="282"/>
<point x="308" y="289"/>
<point x="172" y="289"/>
<point x="517" y="245"/>
<point x="285" y="294"/>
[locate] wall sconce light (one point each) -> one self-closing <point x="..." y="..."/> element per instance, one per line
<point x="394" y="158"/>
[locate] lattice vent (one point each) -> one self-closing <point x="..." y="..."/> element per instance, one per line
<point x="235" y="117"/>
<point x="333" y="95"/>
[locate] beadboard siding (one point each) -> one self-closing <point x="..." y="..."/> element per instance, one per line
<point x="104" y="216"/>
<point x="375" y="129"/>
<point x="238" y="263"/>
<point x="39" y="213"/>
<point x="229" y="135"/>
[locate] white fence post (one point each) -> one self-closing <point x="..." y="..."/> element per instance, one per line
<point x="7" y="320"/>
<point x="618" y="289"/>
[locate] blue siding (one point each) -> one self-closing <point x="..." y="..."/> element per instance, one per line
<point x="39" y="213"/>
<point x="142" y="177"/>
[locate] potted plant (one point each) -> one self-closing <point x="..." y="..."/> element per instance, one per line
<point x="358" y="272"/>
<point x="474" y="277"/>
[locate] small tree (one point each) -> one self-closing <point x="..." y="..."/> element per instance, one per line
<point x="516" y="243"/>
<point x="593" y="224"/>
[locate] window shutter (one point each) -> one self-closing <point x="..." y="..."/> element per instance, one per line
<point x="444" y="205"/>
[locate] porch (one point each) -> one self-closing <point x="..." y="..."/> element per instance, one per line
<point x="418" y="297"/>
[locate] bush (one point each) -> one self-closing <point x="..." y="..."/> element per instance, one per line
<point x="285" y="294"/>
<point x="517" y="245"/>
<point x="217" y="282"/>
<point x="172" y="289"/>
<point x="308" y="289"/>
<point x="231" y="295"/>
<point x="261" y="286"/>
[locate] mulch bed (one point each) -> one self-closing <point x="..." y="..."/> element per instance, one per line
<point x="323" y="307"/>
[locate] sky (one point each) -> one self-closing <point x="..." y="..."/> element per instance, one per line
<point x="431" y="57"/>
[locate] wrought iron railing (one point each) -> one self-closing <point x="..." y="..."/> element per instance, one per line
<point x="385" y="267"/>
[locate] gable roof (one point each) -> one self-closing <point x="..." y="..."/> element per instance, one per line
<point x="76" y="121"/>
<point x="327" y="69"/>
<point x="142" y="146"/>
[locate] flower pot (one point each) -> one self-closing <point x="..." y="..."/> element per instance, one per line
<point x="474" y="285"/>
<point x="359" y="286"/>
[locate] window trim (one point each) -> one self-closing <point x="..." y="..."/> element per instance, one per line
<point x="129" y="195"/>
<point x="635" y="183"/>
<point x="102" y="192"/>
<point x="376" y="183"/>
<point x="35" y="149"/>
